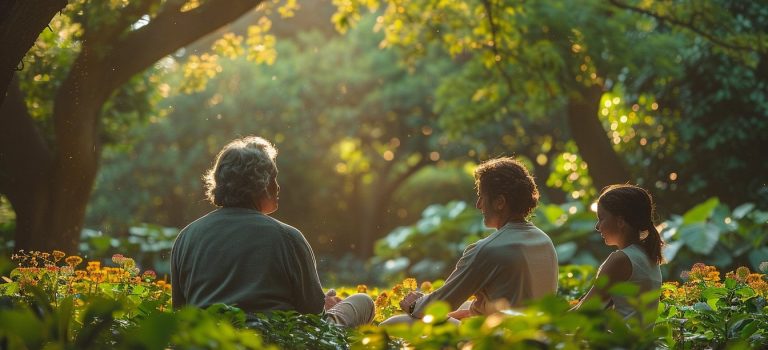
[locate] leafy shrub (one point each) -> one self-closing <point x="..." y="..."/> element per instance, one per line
<point x="708" y="312"/>
<point x="103" y="307"/>
<point x="712" y="232"/>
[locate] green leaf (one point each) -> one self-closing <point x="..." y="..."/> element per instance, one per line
<point x="702" y="306"/>
<point x="65" y="312"/>
<point x="713" y="303"/>
<point x="153" y="332"/>
<point x="758" y="256"/>
<point x="624" y="289"/>
<point x="745" y="292"/>
<point x="750" y="328"/>
<point x="24" y="324"/>
<point x="701" y="212"/>
<point x="742" y="210"/>
<point x="700" y="237"/>
<point x="566" y="251"/>
<point x="438" y="309"/>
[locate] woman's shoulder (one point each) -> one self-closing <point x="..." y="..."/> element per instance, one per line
<point x="617" y="266"/>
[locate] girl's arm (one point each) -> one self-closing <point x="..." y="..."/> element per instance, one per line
<point x="616" y="268"/>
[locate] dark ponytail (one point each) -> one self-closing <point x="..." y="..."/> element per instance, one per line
<point x="635" y="205"/>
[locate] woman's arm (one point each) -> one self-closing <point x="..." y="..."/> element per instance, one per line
<point x="616" y="268"/>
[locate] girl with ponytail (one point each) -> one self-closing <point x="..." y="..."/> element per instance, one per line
<point x="625" y="220"/>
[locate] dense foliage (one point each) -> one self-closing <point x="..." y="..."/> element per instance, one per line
<point x="51" y="301"/>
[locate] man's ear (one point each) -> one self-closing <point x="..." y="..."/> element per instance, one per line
<point x="499" y="202"/>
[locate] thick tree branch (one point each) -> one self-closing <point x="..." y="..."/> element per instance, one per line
<point x="21" y="22"/>
<point x="690" y="25"/>
<point x="168" y="32"/>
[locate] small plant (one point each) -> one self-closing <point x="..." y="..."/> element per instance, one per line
<point x="707" y="311"/>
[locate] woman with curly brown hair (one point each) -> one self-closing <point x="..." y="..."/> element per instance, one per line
<point x="625" y="220"/>
<point x="516" y="263"/>
<point x="239" y="255"/>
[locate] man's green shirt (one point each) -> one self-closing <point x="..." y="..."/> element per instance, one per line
<point x="241" y="257"/>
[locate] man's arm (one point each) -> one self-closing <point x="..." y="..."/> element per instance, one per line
<point x="177" y="298"/>
<point x="302" y="269"/>
<point x="465" y="280"/>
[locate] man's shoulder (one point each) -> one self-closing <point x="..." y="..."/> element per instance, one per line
<point x="514" y="242"/>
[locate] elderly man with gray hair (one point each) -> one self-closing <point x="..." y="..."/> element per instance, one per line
<point x="239" y="255"/>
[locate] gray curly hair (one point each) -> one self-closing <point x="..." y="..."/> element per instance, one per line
<point x="242" y="172"/>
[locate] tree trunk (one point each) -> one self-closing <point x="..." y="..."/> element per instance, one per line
<point x="604" y="165"/>
<point x="78" y="149"/>
<point x="25" y="167"/>
<point x="374" y="207"/>
<point x="21" y="22"/>
<point x="49" y="193"/>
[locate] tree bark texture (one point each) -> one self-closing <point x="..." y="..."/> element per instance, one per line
<point x="604" y="165"/>
<point x="49" y="185"/>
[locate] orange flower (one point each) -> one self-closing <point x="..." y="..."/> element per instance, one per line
<point x="98" y="276"/>
<point x="712" y="276"/>
<point x="426" y="286"/>
<point x="382" y="300"/>
<point x="73" y="260"/>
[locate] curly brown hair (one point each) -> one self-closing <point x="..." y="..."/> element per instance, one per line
<point x="241" y="173"/>
<point x="508" y="177"/>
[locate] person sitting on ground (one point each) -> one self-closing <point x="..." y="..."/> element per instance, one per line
<point x="239" y="255"/>
<point x="625" y="220"/>
<point x="516" y="263"/>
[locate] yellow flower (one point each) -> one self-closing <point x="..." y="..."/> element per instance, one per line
<point x="361" y="288"/>
<point x="57" y="255"/>
<point x="410" y="283"/>
<point x="93" y="266"/>
<point x="712" y="276"/>
<point x="73" y="260"/>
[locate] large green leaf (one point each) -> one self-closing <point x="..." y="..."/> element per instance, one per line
<point x="757" y="256"/>
<point x="742" y="210"/>
<point x="700" y="237"/>
<point x="701" y="212"/>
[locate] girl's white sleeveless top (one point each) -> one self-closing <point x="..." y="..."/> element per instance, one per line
<point x="645" y="274"/>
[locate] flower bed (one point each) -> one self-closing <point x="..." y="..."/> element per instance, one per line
<point x="55" y="300"/>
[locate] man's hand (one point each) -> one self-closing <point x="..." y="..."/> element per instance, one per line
<point x="460" y="314"/>
<point x="331" y="299"/>
<point x="409" y="300"/>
